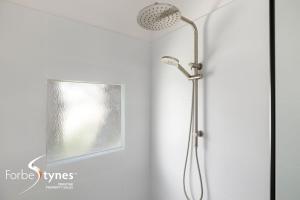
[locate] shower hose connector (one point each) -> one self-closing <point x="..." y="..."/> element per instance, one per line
<point x="199" y="134"/>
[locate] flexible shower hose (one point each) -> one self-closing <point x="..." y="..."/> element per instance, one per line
<point x="196" y="154"/>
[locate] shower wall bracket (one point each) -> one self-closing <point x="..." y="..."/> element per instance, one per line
<point x="196" y="66"/>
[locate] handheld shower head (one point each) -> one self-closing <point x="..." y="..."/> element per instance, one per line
<point x="170" y="60"/>
<point x="175" y="62"/>
<point x="158" y="16"/>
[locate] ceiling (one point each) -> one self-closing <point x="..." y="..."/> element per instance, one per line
<point x="118" y="15"/>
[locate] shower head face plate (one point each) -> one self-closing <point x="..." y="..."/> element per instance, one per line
<point x="170" y="60"/>
<point x="158" y="16"/>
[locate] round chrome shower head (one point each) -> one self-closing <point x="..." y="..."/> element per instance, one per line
<point x="170" y="60"/>
<point x="158" y="16"/>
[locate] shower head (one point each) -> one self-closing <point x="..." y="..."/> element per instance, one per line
<point x="170" y="60"/>
<point x="175" y="62"/>
<point x="158" y="16"/>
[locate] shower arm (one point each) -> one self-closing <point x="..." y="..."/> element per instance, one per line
<point x="196" y="65"/>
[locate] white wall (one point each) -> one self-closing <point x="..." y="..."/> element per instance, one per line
<point x="287" y="99"/>
<point x="36" y="46"/>
<point x="235" y="106"/>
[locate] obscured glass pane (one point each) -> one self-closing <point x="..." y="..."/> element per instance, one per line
<point x="83" y="119"/>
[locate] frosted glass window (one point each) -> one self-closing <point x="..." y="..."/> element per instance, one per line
<point x="84" y="119"/>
